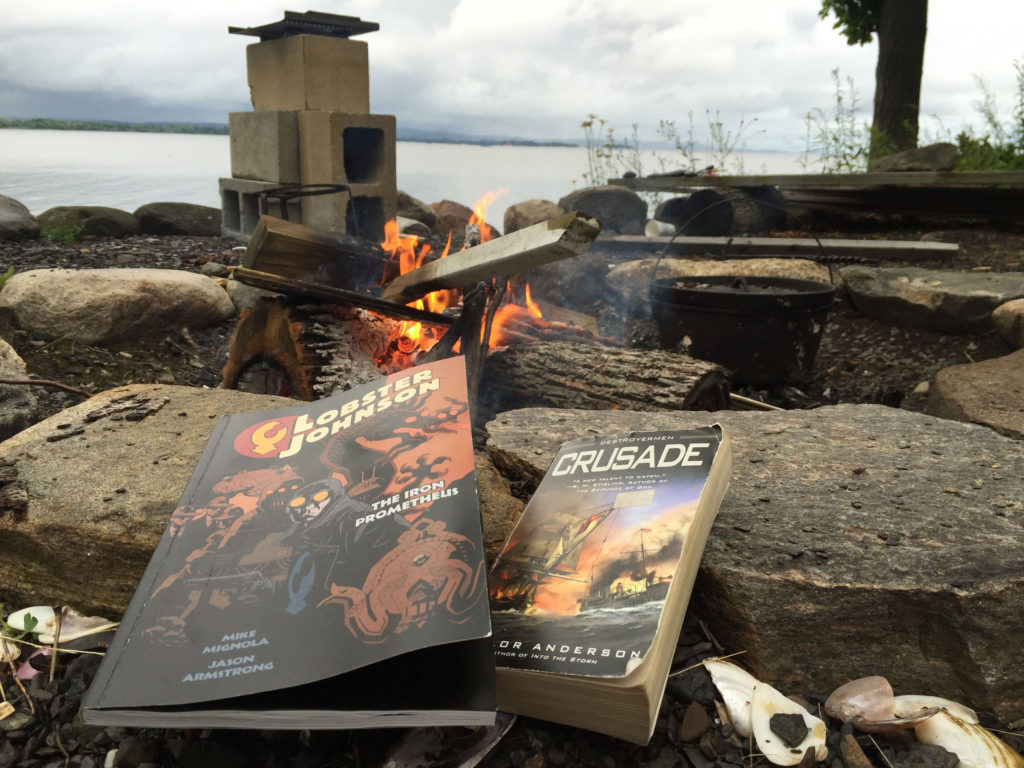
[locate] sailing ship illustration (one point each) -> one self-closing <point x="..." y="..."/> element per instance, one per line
<point x="552" y="551"/>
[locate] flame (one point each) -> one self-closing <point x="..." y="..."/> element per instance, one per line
<point x="414" y="337"/>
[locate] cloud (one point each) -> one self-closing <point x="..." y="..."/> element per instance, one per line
<point x="534" y="68"/>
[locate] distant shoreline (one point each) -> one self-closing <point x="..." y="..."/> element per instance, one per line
<point x="45" y="123"/>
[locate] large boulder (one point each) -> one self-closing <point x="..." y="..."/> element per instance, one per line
<point x="96" y="491"/>
<point x="934" y="157"/>
<point x="619" y="210"/>
<point x="853" y="540"/>
<point x="178" y="219"/>
<point x="990" y="392"/>
<point x="937" y="300"/>
<point x="16" y="223"/>
<point x="101" y="306"/>
<point x="530" y="212"/>
<point x="68" y="224"/>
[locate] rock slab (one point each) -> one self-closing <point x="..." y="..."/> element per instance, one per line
<point x="990" y="393"/>
<point x="100" y="306"/>
<point x="937" y="300"/>
<point x="98" y="491"/>
<point x="853" y="540"/>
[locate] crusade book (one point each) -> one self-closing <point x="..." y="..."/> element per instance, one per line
<point x="324" y="568"/>
<point x="589" y="592"/>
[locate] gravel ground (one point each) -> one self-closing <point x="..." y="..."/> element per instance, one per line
<point x="859" y="361"/>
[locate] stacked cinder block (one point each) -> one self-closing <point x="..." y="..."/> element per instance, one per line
<point x="311" y="125"/>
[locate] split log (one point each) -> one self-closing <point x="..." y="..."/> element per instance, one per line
<point x="292" y="250"/>
<point x="307" y="351"/>
<point x="563" y="236"/>
<point x="571" y="375"/>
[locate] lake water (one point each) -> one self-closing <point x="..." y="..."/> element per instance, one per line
<point x="43" y="169"/>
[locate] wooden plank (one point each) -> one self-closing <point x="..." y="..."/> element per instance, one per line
<point x="778" y="246"/>
<point x="951" y="179"/>
<point x="332" y="295"/>
<point x="563" y="236"/>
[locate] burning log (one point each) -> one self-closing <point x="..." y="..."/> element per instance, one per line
<point x="572" y="375"/>
<point x="563" y="236"/>
<point x="309" y="351"/>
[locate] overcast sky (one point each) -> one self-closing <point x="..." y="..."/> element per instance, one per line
<point x="527" y="68"/>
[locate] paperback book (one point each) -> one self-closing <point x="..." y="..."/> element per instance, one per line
<point x="589" y="592"/>
<point x="324" y="568"/>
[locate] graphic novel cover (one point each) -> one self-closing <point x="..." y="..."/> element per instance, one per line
<point x="580" y="585"/>
<point x="323" y="558"/>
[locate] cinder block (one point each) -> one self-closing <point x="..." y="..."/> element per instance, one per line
<point x="265" y="146"/>
<point x="309" y="72"/>
<point x="356" y="150"/>
<point x="240" y="206"/>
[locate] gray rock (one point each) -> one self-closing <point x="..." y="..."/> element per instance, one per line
<point x="528" y="213"/>
<point x="16" y="223"/>
<point x="1008" y="319"/>
<point x="989" y="393"/>
<point x="618" y="209"/>
<point x="99" y="306"/>
<point x="179" y="219"/>
<point x="411" y="208"/>
<point x="632" y="279"/>
<point x="912" y="531"/>
<point x="99" y="499"/>
<point x="69" y="224"/>
<point x="17" y="401"/>
<point x="939" y="300"/>
<point x="934" y="157"/>
<point x="453" y="217"/>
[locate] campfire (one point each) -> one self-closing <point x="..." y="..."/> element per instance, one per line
<point x="352" y="310"/>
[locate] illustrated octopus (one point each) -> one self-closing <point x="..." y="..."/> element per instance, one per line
<point x="428" y="572"/>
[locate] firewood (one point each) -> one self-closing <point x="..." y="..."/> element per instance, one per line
<point x="563" y="236"/>
<point x="574" y="375"/>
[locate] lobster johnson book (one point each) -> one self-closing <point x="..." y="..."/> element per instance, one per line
<point x="589" y="593"/>
<point x="323" y="569"/>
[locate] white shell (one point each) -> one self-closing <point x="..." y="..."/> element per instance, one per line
<point x="9" y="651"/>
<point x="736" y="686"/>
<point x="75" y="625"/>
<point x="41" y="613"/>
<point x="72" y="625"/>
<point x="974" y="745"/>
<point x="869" y="698"/>
<point x="766" y="702"/>
<point x="908" y="706"/>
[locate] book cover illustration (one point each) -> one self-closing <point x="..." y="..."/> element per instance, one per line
<point x="311" y="541"/>
<point x="580" y="584"/>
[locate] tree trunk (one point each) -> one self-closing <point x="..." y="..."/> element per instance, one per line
<point x="902" y="26"/>
<point x="558" y="374"/>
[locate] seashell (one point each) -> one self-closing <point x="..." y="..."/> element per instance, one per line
<point x="9" y="651"/>
<point x="73" y="624"/>
<point x="41" y="613"/>
<point x="893" y="725"/>
<point x="974" y="745"/>
<point x="768" y="702"/>
<point x="868" y="698"/>
<point x="907" y="706"/>
<point x="736" y="686"/>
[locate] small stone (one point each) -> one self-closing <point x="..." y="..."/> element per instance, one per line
<point x="790" y="728"/>
<point x="794" y="550"/>
<point x="695" y="723"/>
